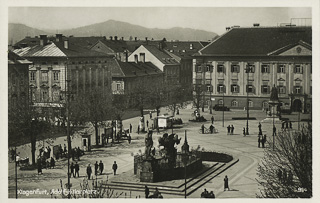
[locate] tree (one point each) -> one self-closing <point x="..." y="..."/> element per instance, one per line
<point x="197" y="95"/>
<point x="121" y="103"/>
<point x="93" y="106"/>
<point x="177" y="96"/>
<point x="158" y="97"/>
<point x="286" y="171"/>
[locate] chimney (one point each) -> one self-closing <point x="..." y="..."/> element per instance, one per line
<point x="126" y="55"/>
<point x="142" y="57"/>
<point x="115" y="38"/>
<point x="227" y="28"/>
<point x="135" y="39"/>
<point x="256" y="25"/>
<point x="43" y="40"/>
<point x="136" y="58"/>
<point x="66" y="44"/>
<point x="58" y="37"/>
<point x="122" y="38"/>
<point x="111" y="38"/>
<point x="160" y="45"/>
<point x="147" y="40"/>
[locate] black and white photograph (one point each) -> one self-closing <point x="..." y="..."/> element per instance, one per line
<point x="159" y="100"/>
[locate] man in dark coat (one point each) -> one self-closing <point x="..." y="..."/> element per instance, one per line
<point x="72" y="169"/>
<point x="52" y="162"/>
<point x="259" y="141"/>
<point x="147" y="124"/>
<point x="202" y="128"/>
<point x="146" y="191"/>
<point x="129" y="138"/>
<point x="228" y="129"/>
<point x="138" y="129"/>
<point x="76" y="168"/>
<point x="101" y="167"/>
<point x="226" y="184"/>
<point x="114" y="167"/>
<point x="130" y="128"/>
<point x="39" y="166"/>
<point x="212" y="119"/>
<point x="96" y="167"/>
<point x="89" y="171"/>
<point x="211" y="129"/>
<point x="232" y="129"/>
<point x="244" y="132"/>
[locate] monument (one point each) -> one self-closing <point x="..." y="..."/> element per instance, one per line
<point x="273" y="114"/>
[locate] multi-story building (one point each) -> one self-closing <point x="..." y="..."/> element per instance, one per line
<point x="248" y="62"/>
<point x="58" y="61"/>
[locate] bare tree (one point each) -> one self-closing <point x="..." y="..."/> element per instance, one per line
<point x="286" y="171"/>
<point x="197" y="95"/>
<point x="177" y="96"/>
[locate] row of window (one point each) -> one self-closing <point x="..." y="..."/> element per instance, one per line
<point x="265" y="68"/>
<point x="44" y="76"/>
<point x="265" y="89"/>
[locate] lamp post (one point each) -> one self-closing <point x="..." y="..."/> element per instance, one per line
<point x="16" y="174"/>
<point x="210" y="89"/>
<point x="223" y="89"/>
<point x="248" y="69"/>
<point x="68" y="135"/>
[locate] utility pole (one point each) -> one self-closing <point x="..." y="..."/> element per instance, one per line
<point x="16" y="175"/>
<point x="185" y="170"/>
<point x="67" y="97"/>
<point x="223" y="89"/>
<point x="248" y="69"/>
<point x="211" y="70"/>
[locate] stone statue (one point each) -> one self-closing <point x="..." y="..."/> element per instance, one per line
<point x="168" y="142"/>
<point x="149" y="145"/>
<point x="274" y="94"/>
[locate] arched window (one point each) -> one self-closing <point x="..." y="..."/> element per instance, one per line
<point x="220" y="102"/>
<point x="234" y="103"/>
<point x="265" y="105"/>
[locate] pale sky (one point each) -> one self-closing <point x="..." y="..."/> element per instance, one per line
<point x="207" y="18"/>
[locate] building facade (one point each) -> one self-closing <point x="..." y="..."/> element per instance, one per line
<point x="245" y="63"/>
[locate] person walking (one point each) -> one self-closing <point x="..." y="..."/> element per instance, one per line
<point x="282" y="125"/>
<point x="129" y="139"/>
<point x="96" y="167"/>
<point x="228" y="129"/>
<point x="114" y="167"/>
<point x="76" y="168"/>
<point x="101" y="166"/>
<point x="89" y="171"/>
<point x="259" y="141"/>
<point x="202" y="128"/>
<point x="130" y="128"/>
<point x="287" y="125"/>
<point x="147" y="124"/>
<point x="138" y="129"/>
<point x="259" y="126"/>
<point x="211" y="129"/>
<point x="146" y="191"/>
<point x="274" y="131"/>
<point x="39" y="166"/>
<point x="212" y="119"/>
<point x="226" y="183"/>
<point x="52" y="162"/>
<point x="150" y="115"/>
<point x="290" y="124"/>
<point x="244" y="132"/>
<point x="232" y="129"/>
<point x="264" y="140"/>
<point x="72" y="169"/>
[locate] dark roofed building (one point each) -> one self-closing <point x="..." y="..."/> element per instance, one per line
<point x="280" y="56"/>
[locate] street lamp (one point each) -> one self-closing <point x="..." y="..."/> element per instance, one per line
<point x="248" y="69"/>
<point x="68" y="134"/>
<point x="223" y="89"/>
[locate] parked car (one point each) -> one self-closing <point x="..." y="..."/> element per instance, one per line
<point x="219" y="107"/>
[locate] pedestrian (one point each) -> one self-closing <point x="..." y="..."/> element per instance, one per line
<point x="178" y="112"/>
<point x="150" y="115"/>
<point x="78" y="153"/>
<point x="65" y="148"/>
<point x="147" y="124"/>
<point x="114" y="167"/>
<point x="96" y="167"/>
<point x="287" y="126"/>
<point x="204" y="194"/>
<point x="89" y="171"/>
<point x="146" y="191"/>
<point x="52" y="162"/>
<point x="39" y="166"/>
<point x="259" y="141"/>
<point x="274" y="130"/>
<point x="228" y="129"/>
<point x="156" y="193"/>
<point x="76" y="168"/>
<point x="226" y="184"/>
<point x="101" y="166"/>
<point x="212" y="119"/>
<point x="232" y="129"/>
<point x="72" y="154"/>
<point x="202" y="128"/>
<point x="130" y="128"/>
<point x="244" y="132"/>
<point x="290" y="125"/>
<point x="282" y="125"/>
<point x="259" y="126"/>
<point x="262" y="141"/>
<point x="72" y="169"/>
<point x="211" y="129"/>
<point x="211" y="195"/>
<point x="129" y="139"/>
<point x="138" y="129"/>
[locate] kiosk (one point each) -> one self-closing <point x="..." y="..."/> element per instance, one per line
<point x="86" y="142"/>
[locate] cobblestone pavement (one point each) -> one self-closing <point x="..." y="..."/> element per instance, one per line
<point x="241" y="176"/>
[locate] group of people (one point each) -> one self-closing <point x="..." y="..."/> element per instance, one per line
<point x="286" y="125"/>
<point x="45" y="152"/>
<point x="98" y="168"/>
<point x="206" y="194"/>
<point x="43" y="162"/>
<point x="156" y="193"/>
<point x="74" y="168"/>
<point x="262" y="140"/>
<point x="230" y="129"/>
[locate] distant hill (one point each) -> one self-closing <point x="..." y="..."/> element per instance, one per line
<point x="115" y="28"/>
<point x="122" y="29"/>
<point x="17" y="32"/>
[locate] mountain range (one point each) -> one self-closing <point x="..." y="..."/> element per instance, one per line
<point x="114" y="28"/>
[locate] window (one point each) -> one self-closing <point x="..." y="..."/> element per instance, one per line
<point x="209" y="68"/>
<point x="281" y="68"/>
<point x="250" y="68"/>
<point x="209" y="88"/>
<point x="298" y="69"/>
<point x="56" y="75"/>
<point x="44" y="76"/>
<point x="250" y="88"/>
<point x="118" y="86"/>
<point x="235" y="68"/>
<point x="220" y="102"/>
<point x="32" y="75"/>
<point x="235" y="88"/>
<point x="297" y="89"/>
<point x="265" y="68"/>
<point x="208" y="81"/>
<point x="281" y="89"/>
<point x="198" y="81"/>
<point x="44" y="95"/>
<point x="234" y="103"/>
<point x="250" y="103"/>
<point x="265" y="89"/>
<point x="221" y="88"/>
<point x="198" y="69"/>
<point x="220" y="68"/>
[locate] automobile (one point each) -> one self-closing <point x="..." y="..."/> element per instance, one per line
<point x="219" y="107"/>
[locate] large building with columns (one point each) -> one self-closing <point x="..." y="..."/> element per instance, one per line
<point x="57" y="61"/>
<point x="274" y="56"/>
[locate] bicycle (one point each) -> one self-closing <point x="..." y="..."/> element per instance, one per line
<point x="206" y="130"/>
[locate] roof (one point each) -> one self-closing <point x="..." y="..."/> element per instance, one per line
<point x="161" y="55"/>
<point x="132" y="69"/>
<point x="56" y="49"/>
<point x="16" y="59"/>
<point x="182" y="48"/>
<point x="256" y="41"/>
<point x="133" y="45"/>
<point x="115" y="45"/>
